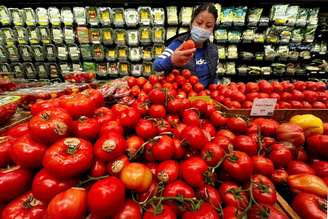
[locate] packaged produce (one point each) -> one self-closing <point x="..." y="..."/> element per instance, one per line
<point x="30" y="70"/>
<point x="82" y="34"/>
<point x="45" y="35"/>
<point x="111" y="54"/>
<point x="105" y="15"/>
<point x="67" y="16"/>
<point x="8" y="36"/>
<point x="65" y="68"/>
<point x="77" y="67"/>
<point x="147" y="69"/>
<point x="118" y="17"/>
<point x="74" y="52"/>
<point x="266" y="70"/>
<point x="107" y="36"/>
<point x="259" y="56"/>
<point x="226" y="16"/>
<point x="221" y="69"/>
<point x="80" y="15"/>
<point x="26" y="52"/>
<point x="218" y="8"/>
<point x="102" y="69"/>
<point x="42" y="16"/>
<point x="79" y="77"/>
<point x="145" y="16"/>
<point x="136" y="70"/>
<point x="21" y="35"/>
<point x="232" y="52"/>
<point x="53" y="70"/>
<point x="269" y="52"/>
<point x="278" y="14"/>
<point x="38" y="53"/>
<point x="30" y="17"/>
<point x="313" y="16"/>
<point x="297" y="35"/>
<point x="221" y="35"/>
<point x="112" y="69"/>
<point x="89" y="67"/>
<point x="291" y="69"/>
<point x="172" y="15"/>
<point x="305" y="54"/>
<point x="293" y="55"/>
<point x="34" y="35"/>
<point x="3" y="55"/>
<point x="42" y="70"/>
<point x="8" y="106"/>
<point x="171" y="32"/>
<point x="98" y="52"/>
<point x="51" y="52"/>
<point x="248" y="35"/>
<point x="17" y="69"/>
<point x="278" y="68"/>
<point x="120" y="36"/>
<point x="221" y="52"/>
<point x="158" y="49"/>
<point x="291" y="14"/>
<point x="95" y="35"/>
<point x="259" y="38"/>
<point x="134" y="54"/>
<point x="285" y="36"/>
<point x="183" y="30"/>
<point x="239" y="15"/>
<point x="254" y="70"/>
<point x="62" y="53"/>
<point x="302" y="16"/>
<point x="5" y="18"/>
<point x="69" y="36"/>
<point x="123" y="68"/>
<point x="147" y="53"/>
<point x="158" y="34"/>
<point x="132" y="37"/>
<point x="145" y="35"/>
<point x="254" y="15"/>
<point x="272" y="36"/>
<point x="234" y="36"/>
<point x="245" y="55"/>
<point x="309" y="33"/>
<point x="282" y="52"/>
<point x="242" y="70"/>
<point x="131" y="17"/>
<point x="122" y="52"/>
<point x="57" y="35"/>
<point x="264" y="21"/>
<point x="54" y="16"/>
<point x="158" y="15"/>
<point x="17" y="16"/>
<point x="185" y="16"/>
<point x="231" y="68"/>
<point x="92" y="16"/>
<point x="13" y="53"/>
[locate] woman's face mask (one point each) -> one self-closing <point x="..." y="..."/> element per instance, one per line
<point x="199" y="35"/>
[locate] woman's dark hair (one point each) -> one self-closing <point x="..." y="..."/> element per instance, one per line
<point x="205" y="7"/>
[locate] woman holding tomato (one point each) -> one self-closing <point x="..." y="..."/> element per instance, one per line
<point x="193" y="50"/>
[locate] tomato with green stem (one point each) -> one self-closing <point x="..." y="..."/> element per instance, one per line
<point x="211" y="195"/>
<point x="233" y="195"/>
<point x="212" y="153"/>
<point x="193" y="171"/>
<point x="159" y="212"/>
<point x="239" y="165"/>
<point x="130" y="210"/>
<point x="263" y="190"/>
<point x="204" y="211"/>
<point x="264" y="211"/>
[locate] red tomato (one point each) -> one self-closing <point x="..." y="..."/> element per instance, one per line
<point x="195" y="137"/>
<point x="106" y="197"/>
<point x="189" y="44"/>
<point x="232" y="195"/>
<point x="60" y="159"/>
<point x="135" y="90"/>
<point x="318" y="145"/>
<point x="163" y="149"/>
<point x="78" y="105"/>
<point x="6" y="143"/>
<point x="252" y="87"/>
<point x="42" y="105"/>
<point x="71" y="203"/>
<point x="137" y="177"/>
<point x="103" y="115"/>
<point x="141" y="81"/>
<point x="245" y="144"/>
<point x="25" y="206"/>
<point x="130" y="210"/>
<point x="95" y="95"/>
<point x="86" y="128"/>
<point x="225" y="133"/>
<point x="309" y="206"/>
<point x="98" y="168"/>
<point x="164" y="213"/>
<point x="198" y="87"/>
<point x="167" y="171"/>
<point x="281" y="157"/>
<point x="111" y="127"/>
<point x="318" y="105"/>
<point x="193" y="79"/>
<point x="237" y="125"/>
<point x="321" y="168"/>
<point x="265" y="86"/>
<point x="109" y="147"/>
<point x="179" y="149"/>
<point x="133" y="144"/>
<point x="277" y="87"/>
<point x="115" y="167"/>
<point x="285" y="96"/>
<point x="288" y="87"/>
<point x="239" y="165"/>
<point x="13" y="182"/>
<point x="284" y="105"/>
<point x="157" y="96"/>
<point x="268" y="127"/>
<point x="217" y="119"/>
<point x="157" y="111"/>
<point x="291" y="133"/>
<point x="45" y="186"/>
<point x="310" y="96"/>
<point x="262" y="165"/>
<point x="279" y="176"/>
<point x="191" y="117"/>
<point x="275" y="95"/>
<point x="296" y="167"/>
<point x="296" y="104"/>
<point x="129" y="118"/>
<point x="211" y="195"/>
<point x="18" y="130"/>
<point x="131" y="81"/>
<point x="147" y="87"/>
<point x="265" y="211"/>
<point x="263" y="190"/>
<point x="193" y="170"/>
<point x="174" y="106"/>
<point x="212" y="153"/>
<point x="50" y="125"/>
<point x="300" y="85"/>
<point x="204" y="211"/>
<point x="146" y="129"/>
<point x="231" y="212"/>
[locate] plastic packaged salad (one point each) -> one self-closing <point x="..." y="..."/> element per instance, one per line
<point x="172" y="15"/>
<point x="3" y="55"/>
<point x="67" y="16"/>
<point x="92" y="16"/>
<point x="26" y="52"/>
<point x="17" y="16"/>
<point x="51" y="52"/>
<point x="95" y="35"/>
<point x="259" y="37"/>
<point x="134" y="54"/>
<point x="171" y="32"/>
<point x="30" y="70"/>
<point x="147" y="69"/>
<point x="313" y="16"/>
<point x="82" y="34"/>
<point x="86" y="51"/>
<point x="254" y="15"/>
<point x="30" y="17"/>
<point x="42" y="16"/>
<point x="80" y="15"/>
<point x="112" y="69"/>
<point x="136" y="70"/>
<point x="221" y="35"/>
<point x="118" y="17"/>
<point x="98" y="52"/>
<point x="34" y="35"/>
<point x="291" y="15"/>
<point x="158" y="16"/>
<point x="69" y="36"/>
<point x="57" y="35"/>
<point x="145" y="16"/>
<point x="13" y="53"/>
<point x="145" y="35"/>
<point x="234" y="36"/>
<point x="239" y="15"/>
<point x="248" y="35"/>
<point x="111" y="54"/>
<point x="158" y="49"/>
<point x="221" y="52"/>
<point x="131" y="17"/>
<point x="158" y="34"/>
<point x="54" y="16"/>
<point x="147" y="54"/>
<point x="5" y="18"/>
<point x="74" y="52"/>
<point x="107" y="36"/>
<point x="133" y="37"/>
<point x="102" y="69"/>
<point x="185" y="16"/>
<point x="8" y="36"/>
<point x="105" y="15"/>
<point x="123" y="68"/>
<point x="226" y="16"/>
<point x="62" y="53"/>
<point x="38" y="53"/>
<point x="278" y="14"/>
<point x="122" y="52"/>
<point x="45" y="35"/>
<point x="302" y="16"/>
<point x="120" y="36"/>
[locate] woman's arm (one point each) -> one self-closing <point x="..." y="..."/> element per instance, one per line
<point x="163" y="62"/>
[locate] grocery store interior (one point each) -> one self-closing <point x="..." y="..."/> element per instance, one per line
<point x="157" y="109"/>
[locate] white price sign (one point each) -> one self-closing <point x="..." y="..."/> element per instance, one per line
<point x="263" y="106"/>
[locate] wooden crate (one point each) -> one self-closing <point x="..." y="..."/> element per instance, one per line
<point x="285" y="208"/>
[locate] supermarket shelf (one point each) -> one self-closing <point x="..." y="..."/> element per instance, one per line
<point x="275" y="77"/>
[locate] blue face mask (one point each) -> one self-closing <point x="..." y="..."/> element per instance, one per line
<point x="199" y="35"/>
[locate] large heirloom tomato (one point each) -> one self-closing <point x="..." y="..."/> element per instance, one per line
<point x="13" y="182"/>
<point x="291" y="133"/>
<point x="5" y="144"/>
<point x="94" y="95"/>
<point x="109" y="147"/>
<point x="310" y="206"/>
<point x="18" y="130"/>
<point x="68" y="157"/>
<point x="136" y="176"/>
<point x="78" y="105"/>
<point x="27" y="153"/>
<point x="46" y="186"/>
<point x="106" y="197"/>
<point x="318" y="145"/>
<point x="25" y="206"/>
<point x="71" y="203"/>
<point x="50" y="125"/>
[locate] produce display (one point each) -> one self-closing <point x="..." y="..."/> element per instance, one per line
<point x="166" y="153"/>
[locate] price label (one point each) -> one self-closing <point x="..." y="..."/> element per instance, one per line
<point x="263" y="106"/>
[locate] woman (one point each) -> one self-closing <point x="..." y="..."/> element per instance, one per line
<point x="203" y="59"/>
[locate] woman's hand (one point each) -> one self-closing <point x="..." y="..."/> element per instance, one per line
<point x="181" y="57"/>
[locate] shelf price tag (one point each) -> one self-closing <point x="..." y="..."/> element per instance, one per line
<point x="263" y="106"/>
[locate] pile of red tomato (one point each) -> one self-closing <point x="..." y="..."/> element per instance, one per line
<point x="297" y="95"/>
<point x="161" y="157"/>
